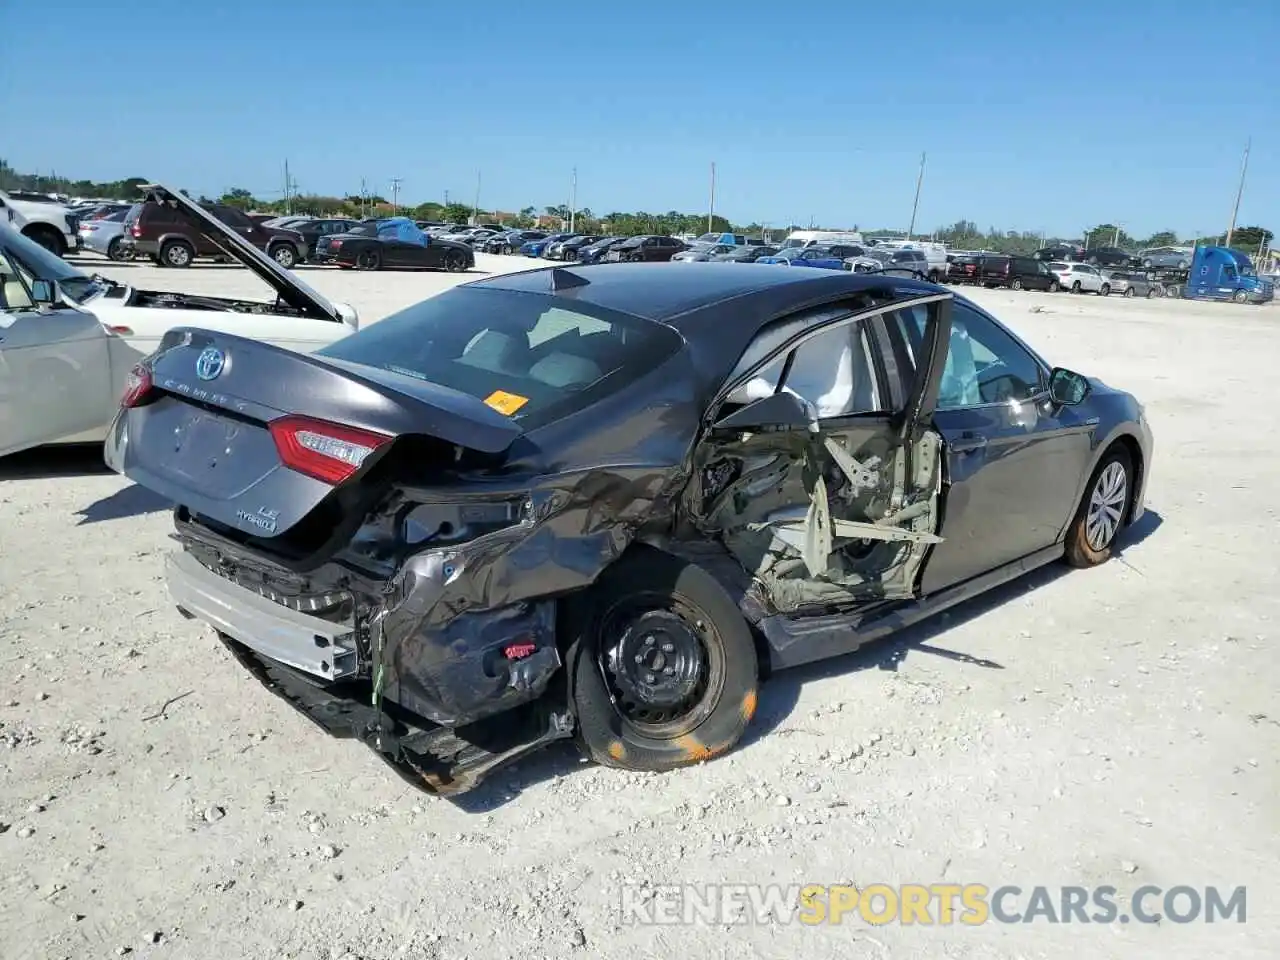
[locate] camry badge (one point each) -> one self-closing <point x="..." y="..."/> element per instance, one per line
<point x="210" y="363"/>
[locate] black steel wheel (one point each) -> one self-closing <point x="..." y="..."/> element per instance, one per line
<point x="369" y="260"/>
<point x="663" y="665"/>
<point x="455" y="261"/>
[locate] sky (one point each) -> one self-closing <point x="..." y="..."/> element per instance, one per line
<point x="1041" y="117"/>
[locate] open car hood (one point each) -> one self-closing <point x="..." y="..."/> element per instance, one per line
<point x="287" y="286"/>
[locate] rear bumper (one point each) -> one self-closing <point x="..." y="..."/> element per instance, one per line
<point x="443" y="708"/>
<point x="451" y="675"/>
<point x="316" y="646"/>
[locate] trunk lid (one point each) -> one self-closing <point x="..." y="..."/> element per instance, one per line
<point x="256" y="437"/>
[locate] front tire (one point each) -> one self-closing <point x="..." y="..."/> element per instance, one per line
<point x="1075" y="287"/>
<point x="1102" y="512"/>
<point x="1130" y="293"/>
<point x="663" y="665"/>
<point x="1054" y="286"/>
<point x="1104" y="290"/>
<point x="1016" y="284"/>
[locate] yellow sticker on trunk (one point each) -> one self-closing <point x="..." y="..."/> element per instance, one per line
<point x="504" y="402"/>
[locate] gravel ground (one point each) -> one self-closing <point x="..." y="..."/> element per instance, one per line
<point x="1116" y="726"/>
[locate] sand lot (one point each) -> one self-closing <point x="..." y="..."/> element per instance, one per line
<point x="1117" y="726"/>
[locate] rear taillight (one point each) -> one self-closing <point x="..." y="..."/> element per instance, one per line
<point x="334" y="244"/>
<point x="136" y="230"/>
<point x="138" y="388"/>
<point x="325" y="451"/>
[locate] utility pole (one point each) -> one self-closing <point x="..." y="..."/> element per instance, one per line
<point x="363" y="194"/>
<point x="288" y="201"/>
<point x="475" y="212"/>
<point x="395" y="194"/>
<point x="446" y="198"/>
<point x="1244" y="168"/>
<point x="573" y="199"/>
<point x="916" y="203"/>
<point x="712" y="212"/>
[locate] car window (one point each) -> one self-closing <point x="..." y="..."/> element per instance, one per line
<point x="230" y="216"/>
<point x="13" y="292"/>
<point x="833" y="371"/>
<point x="984" y="364"/>
<point x="526" y="355"/>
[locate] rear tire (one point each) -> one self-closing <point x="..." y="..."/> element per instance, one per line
<point x="48" y="238"/>
<point x="455" y="262"/>
<point x="1103" y="510"/>
<point x="1130" y="293"/>
<point x="663" y="665"/>
<point x="1054" y="286"/>
<point x="176" y="253"/>
<point x="1173" y="291"/>
<point x="115" y="251"/>
<point x="1075" y="287"/>
<point x="1016" y="284"/>
<point x="369" y="260"/>
<point x="1152" y="292"/>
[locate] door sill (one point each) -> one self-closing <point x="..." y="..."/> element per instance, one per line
<point x="796" y="640"/>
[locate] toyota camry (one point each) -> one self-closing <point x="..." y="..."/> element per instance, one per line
<point x="605" y="502"/>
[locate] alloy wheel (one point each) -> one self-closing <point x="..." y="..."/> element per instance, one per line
<point x="1106" y="506"/>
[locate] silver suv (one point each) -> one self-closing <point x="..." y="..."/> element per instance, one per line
<point x="1080" y="278"/>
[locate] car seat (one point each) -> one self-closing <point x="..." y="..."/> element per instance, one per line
<point x="498" y="352"/>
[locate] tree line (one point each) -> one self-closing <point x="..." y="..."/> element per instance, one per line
<point x="961" y="235"/>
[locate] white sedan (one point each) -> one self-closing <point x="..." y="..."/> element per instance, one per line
<point x="69" y="340"/>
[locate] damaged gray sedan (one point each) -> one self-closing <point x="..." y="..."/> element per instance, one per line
<point x="605" y="502"/>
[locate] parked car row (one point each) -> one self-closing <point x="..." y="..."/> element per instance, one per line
<point x="1030" y="273"/>
<point x="1172" y="257"/>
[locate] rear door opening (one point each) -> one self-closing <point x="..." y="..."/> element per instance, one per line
<point x="841" y="510"/>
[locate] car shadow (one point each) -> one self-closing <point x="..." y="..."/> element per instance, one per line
<point x="81" y="460"/>
<point x="131" y="501"/>
<point x="41" y="463"/>
<point x="781" y="692"/>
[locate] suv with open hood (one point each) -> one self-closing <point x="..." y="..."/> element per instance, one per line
<point x="159" y="231"/>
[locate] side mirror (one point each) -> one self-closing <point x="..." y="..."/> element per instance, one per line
<point x="1066" y="387"/>
<point x="44" y="291"/>
<point x="776" y="410"/>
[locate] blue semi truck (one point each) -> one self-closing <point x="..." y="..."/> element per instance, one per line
<point x="1217" y="273"/>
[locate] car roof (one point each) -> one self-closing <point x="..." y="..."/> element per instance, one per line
<point x="699" y="298"/>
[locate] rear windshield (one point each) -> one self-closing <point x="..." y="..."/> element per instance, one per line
<point x="528" y="355"/>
